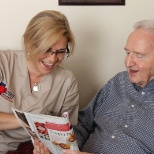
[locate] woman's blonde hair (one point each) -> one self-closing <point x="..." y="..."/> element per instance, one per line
<point x="44" y="30"/>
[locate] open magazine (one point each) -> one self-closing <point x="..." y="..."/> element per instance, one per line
<point x="56" y="133"/>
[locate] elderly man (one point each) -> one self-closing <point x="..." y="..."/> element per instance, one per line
<point x="120" y="118"/>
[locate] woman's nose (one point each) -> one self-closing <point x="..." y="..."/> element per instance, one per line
<point x="53" y="57"/>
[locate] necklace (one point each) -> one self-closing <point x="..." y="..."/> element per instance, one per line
<point x="37" y="87"/>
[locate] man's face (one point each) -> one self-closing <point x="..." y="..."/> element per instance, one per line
<point x="139" y="60"/>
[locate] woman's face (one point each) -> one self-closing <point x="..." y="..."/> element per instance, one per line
<point x="48" y="61"/>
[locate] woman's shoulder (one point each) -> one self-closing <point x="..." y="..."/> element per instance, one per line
<point x="63" y="73"/>
<point x="11" y="53"/>
<point x="11" y="58"/>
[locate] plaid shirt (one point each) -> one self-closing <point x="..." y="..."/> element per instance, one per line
<point x="119" y="119"/>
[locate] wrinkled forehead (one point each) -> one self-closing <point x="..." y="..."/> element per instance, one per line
<point x="141" y="36"/>
<point x="140" y="41"/>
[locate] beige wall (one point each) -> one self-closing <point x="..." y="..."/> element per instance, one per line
<point x="100" y="31"/>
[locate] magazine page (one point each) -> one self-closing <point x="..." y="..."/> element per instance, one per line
<point x="61" y="133"/>
<point x="39" y="126"/>
<point x="24" y="123"/>
<point x="55" y="132"/>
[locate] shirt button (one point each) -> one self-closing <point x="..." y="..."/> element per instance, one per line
<point x="126" y="126"/>
<point x="143" y="93"/>
<point x="132" y="105"/>
<point x="112" y="136"/>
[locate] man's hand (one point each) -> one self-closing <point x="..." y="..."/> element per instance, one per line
<point x="74" y="152"/>
<point x="39" y="148"/>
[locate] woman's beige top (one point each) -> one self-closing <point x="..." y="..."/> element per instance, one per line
<point x="58" y="93"/>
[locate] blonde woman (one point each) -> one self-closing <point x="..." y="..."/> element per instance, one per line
<point x="32" y="80"/>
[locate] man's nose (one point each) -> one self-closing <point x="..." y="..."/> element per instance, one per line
<point x="130" y="60"/>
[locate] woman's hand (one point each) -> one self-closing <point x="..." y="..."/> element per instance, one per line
<point x="39" y="148"/>
<point x="74" y="152"/>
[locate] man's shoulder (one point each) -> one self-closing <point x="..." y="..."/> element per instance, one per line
<point x="120" y="78"/>
<point x="121" y="75"/>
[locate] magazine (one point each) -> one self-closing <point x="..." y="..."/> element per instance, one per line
<point x="56" y="133"/>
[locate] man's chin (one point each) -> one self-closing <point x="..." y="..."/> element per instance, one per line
<point x="133" y="80"/>
<point x="141" y="83"/>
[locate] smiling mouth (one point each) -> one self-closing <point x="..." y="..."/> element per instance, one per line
<point x="49" y="65"/>
<point x="133" y="71"/>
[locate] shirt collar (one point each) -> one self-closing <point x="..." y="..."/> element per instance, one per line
<point x="148" y="87"/>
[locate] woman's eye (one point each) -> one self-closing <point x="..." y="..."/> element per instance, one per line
<point x="61" y="51"/>
<point x="49" y="50"/>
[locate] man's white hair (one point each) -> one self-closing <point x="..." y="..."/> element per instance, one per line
<point x="145" y="24"/>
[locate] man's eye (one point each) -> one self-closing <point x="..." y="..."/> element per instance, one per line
<point x="127" y="52"/>
<point x="139" y="55"/>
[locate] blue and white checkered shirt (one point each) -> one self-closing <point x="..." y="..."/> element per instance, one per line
<point x="119" y="119"/>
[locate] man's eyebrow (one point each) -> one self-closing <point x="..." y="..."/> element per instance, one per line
<point x="137" y="52"/>
<point x="126" y="49"/>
